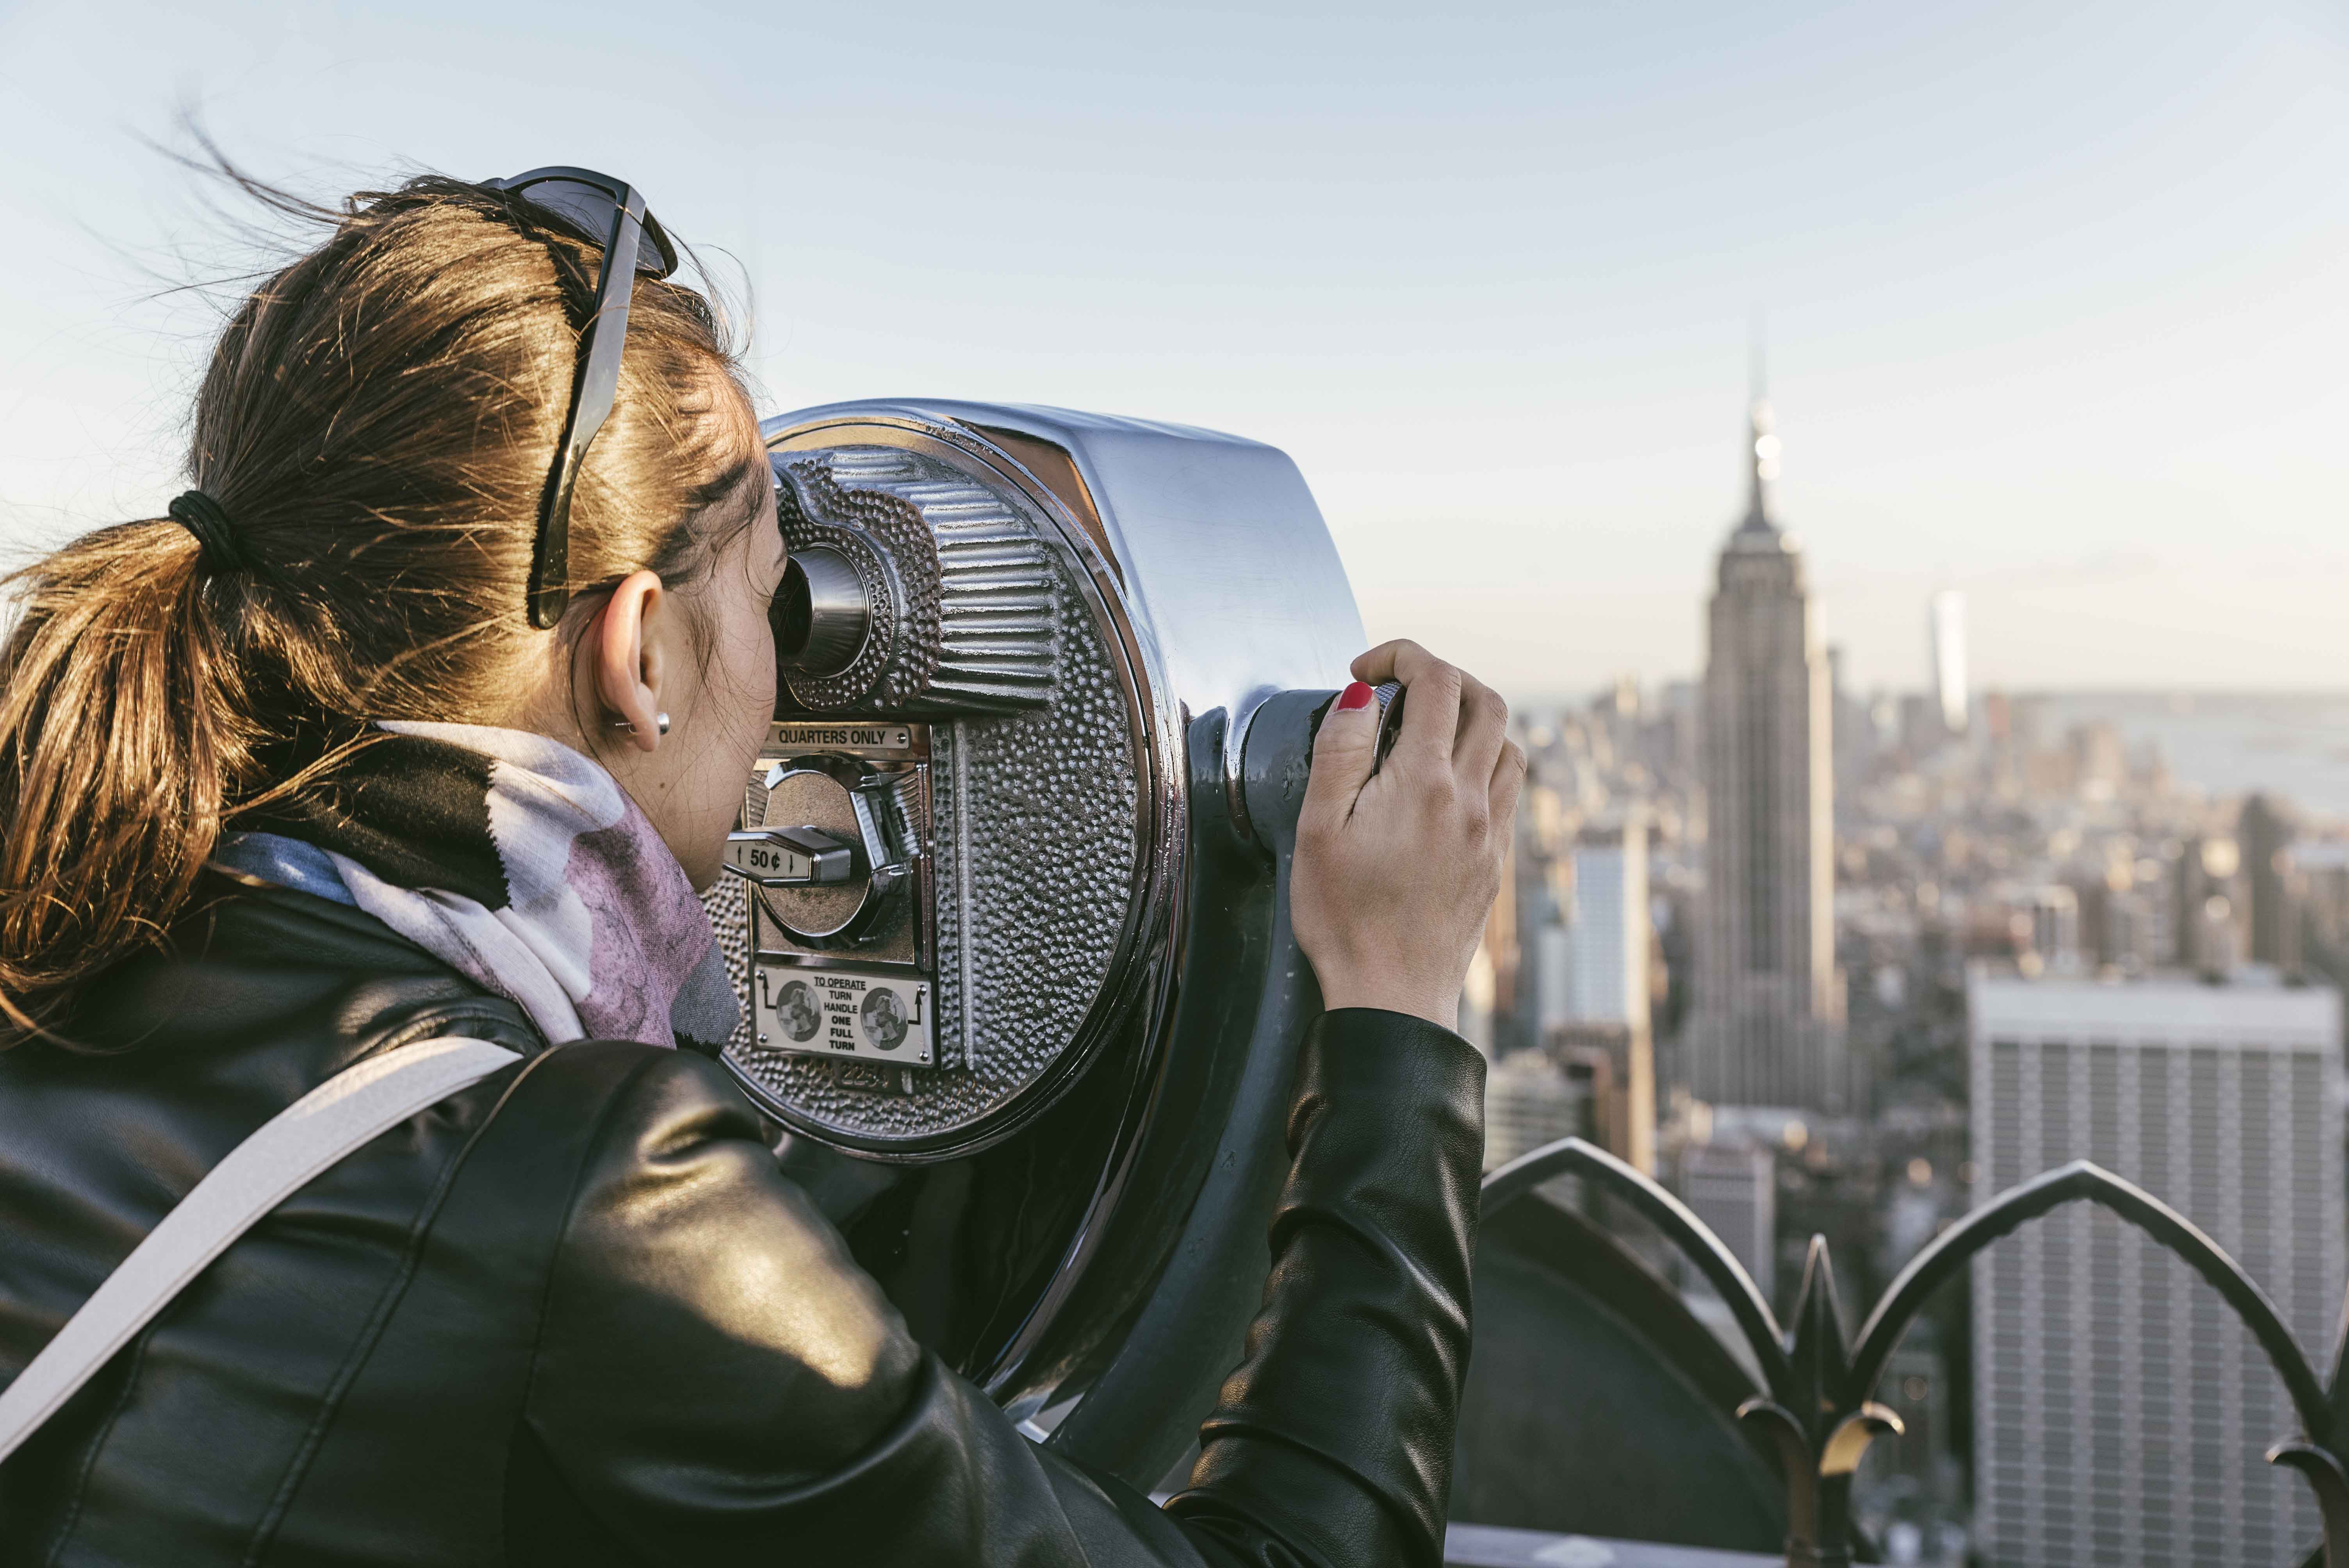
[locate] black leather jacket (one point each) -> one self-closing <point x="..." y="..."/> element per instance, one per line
<point x="599" y="1326"/>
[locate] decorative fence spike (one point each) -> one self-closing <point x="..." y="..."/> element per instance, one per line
<point x="1814" y="1408"/>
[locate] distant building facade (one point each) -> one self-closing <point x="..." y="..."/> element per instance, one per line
<point x="2120" y="1408"/>
<point x="1768" y="1005"/>
<point x="1732" y="1187"/>
<point x="2055" y="911"/>
<point x="2208" y="897"/>
<point x="1602" y="1023"/>
<point x="2265" y="831"/>
<point x="2321" y="874"/>
<point x="1530" y="1100"/>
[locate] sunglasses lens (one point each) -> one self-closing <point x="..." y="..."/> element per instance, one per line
<point x="586" y="210"/>
<point x="656" y="257"/>
<point x="582" y="209"/>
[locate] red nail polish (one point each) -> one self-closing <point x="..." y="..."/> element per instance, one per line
<point x="1354" y="697"/>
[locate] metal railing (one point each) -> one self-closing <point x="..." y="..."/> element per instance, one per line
<point x="1815" y="1408"/>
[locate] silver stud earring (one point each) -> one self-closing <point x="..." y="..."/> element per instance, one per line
<point x="659" y="719"/>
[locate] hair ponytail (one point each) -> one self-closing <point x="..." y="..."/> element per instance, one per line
<point x="118" y="742"/>
<point x="377" y="422"/>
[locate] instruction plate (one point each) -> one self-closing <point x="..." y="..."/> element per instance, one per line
<point x="843" y="1013"/>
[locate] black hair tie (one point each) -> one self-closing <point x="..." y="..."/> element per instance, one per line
<point x="200" y="515"/>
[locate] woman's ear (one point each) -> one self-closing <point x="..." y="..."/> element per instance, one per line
<point x="628" y="642"/>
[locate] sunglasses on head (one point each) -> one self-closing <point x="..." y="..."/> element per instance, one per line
<point x="609" y="214"/>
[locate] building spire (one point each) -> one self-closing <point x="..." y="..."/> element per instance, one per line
<point x="1761" y="443"/>
<point x="1757" y="372"/>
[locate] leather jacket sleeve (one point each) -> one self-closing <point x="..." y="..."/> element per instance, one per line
<point x="716" y="1379"/>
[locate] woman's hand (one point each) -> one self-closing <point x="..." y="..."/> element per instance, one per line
<point x="1395" y="873"/>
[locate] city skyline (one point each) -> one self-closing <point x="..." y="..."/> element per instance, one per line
<point x="2044" y="946"/>
<point x="2051" y="307"/>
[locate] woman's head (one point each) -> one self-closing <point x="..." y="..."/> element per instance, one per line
<point x="378" y="423"/>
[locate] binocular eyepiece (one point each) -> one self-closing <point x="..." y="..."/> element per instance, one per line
<point x="820" y="616"/>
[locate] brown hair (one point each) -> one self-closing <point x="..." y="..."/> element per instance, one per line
<point x="377" y="421"/>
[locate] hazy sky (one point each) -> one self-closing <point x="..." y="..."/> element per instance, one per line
<point x="2058" y="308"/>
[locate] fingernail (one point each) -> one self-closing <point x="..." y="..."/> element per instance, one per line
<point x="1354" y="697"/>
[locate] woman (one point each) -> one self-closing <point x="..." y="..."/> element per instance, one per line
<point x="342" y="754"/>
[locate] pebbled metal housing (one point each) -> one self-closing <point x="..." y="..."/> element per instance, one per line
<point x="962" y="597"/>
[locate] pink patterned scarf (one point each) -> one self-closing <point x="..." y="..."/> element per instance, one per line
<point x="521" y="864"/>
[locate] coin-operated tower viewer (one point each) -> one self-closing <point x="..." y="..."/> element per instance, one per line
<point x="1008" y="902"/>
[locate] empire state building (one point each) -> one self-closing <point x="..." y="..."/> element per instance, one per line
<point x="1768" y="1014"/>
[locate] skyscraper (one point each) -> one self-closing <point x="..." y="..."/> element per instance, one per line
<point x="1767" y="1009"/>
<point x="2206" y="892"/>
<point x="2265" y="833"/>
<point x="1732" y="1186"/>
<point x="1603" y="1005"/>
<point x="1606" y="979"/>
<point x="1531" y="1100"/>
<point x="1949" y="640"/>
<point x="2120" y="1408"/>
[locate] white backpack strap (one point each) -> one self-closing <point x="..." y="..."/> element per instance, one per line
<point x="293" y="1147"/>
